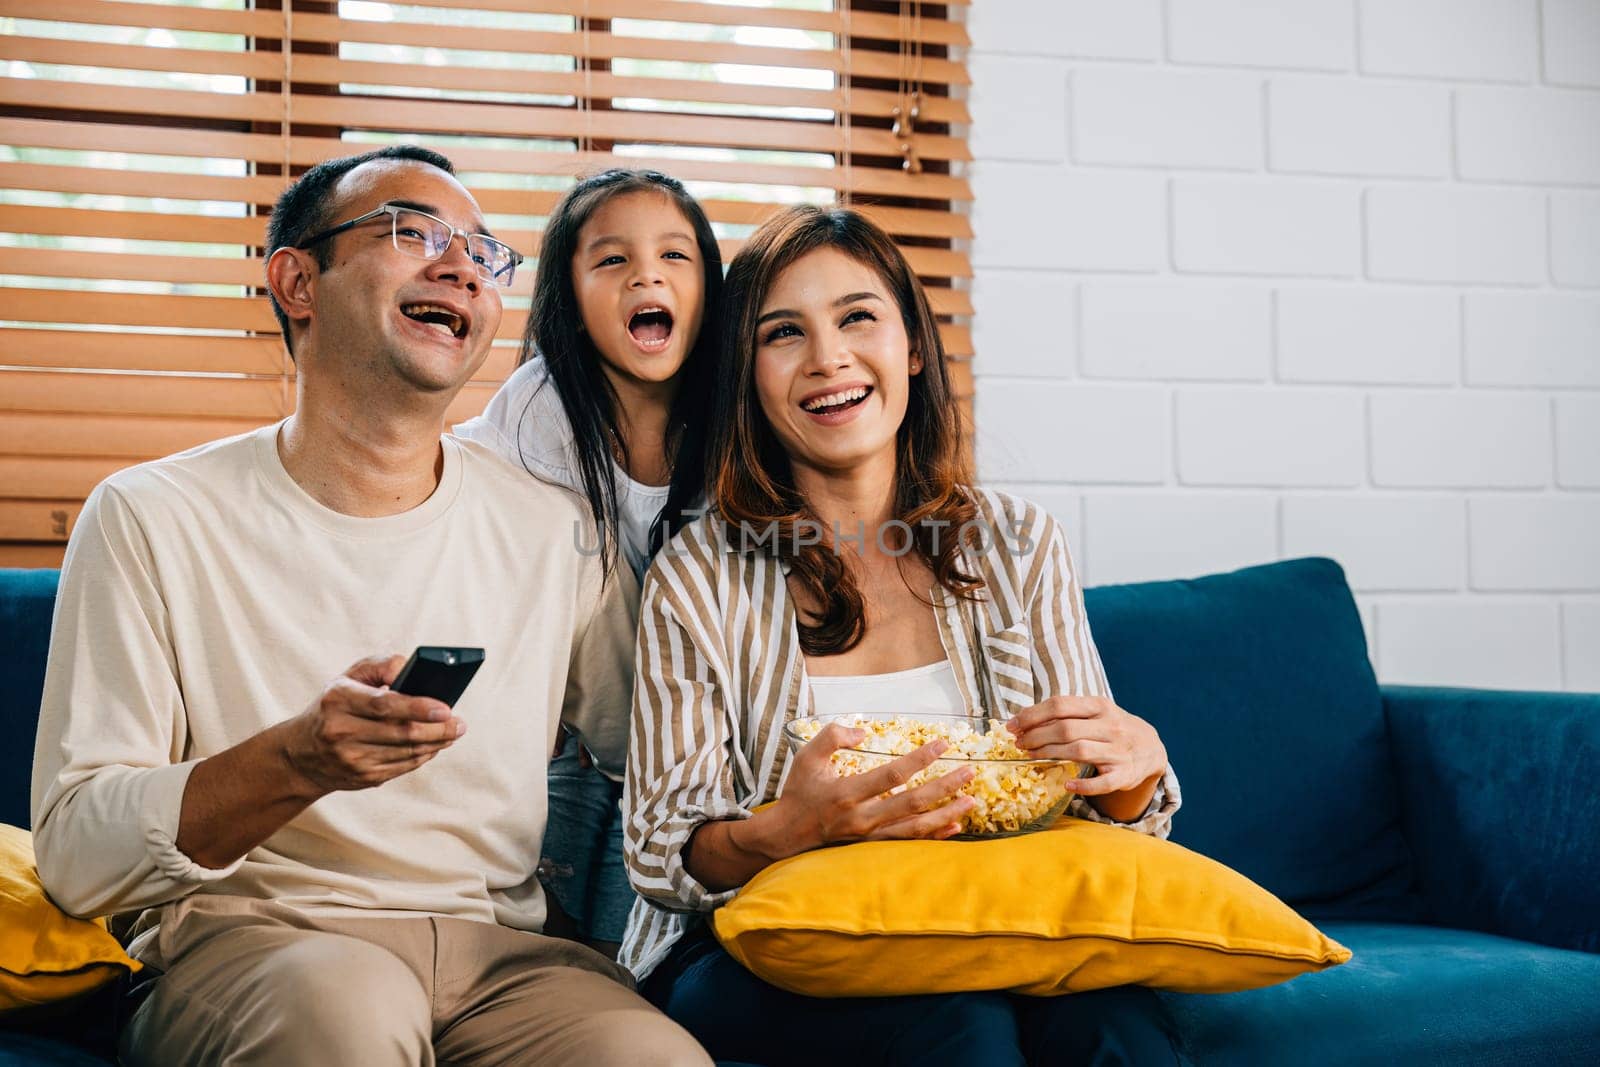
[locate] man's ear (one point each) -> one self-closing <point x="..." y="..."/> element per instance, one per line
<point x="291" y="275"/>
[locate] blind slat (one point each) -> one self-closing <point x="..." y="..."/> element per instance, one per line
<point x="459" y="117"/>
<point x="107" y="181"/>
<point x="29" y="555"/>
<point x="44" y="92"/>
<point x="957" y="340"/>
<point x="135" y="437"/>
<point x="183" y="353"/>
<point x="961" y="379"/>
<point x="948" y="301"/>
<point x="267" y="23"/>
<point x="53" y="477"/>
<point x="331" y="29"/>
<point x="94" y="349"/>
<point x="51" y="263"/>
<point x="266" y="65"/>
<point x="264" y="399"/>
<point x="149" y="16"/>
<point x="860" y="24"/>
<point x="304" y="151"/>
<point x="138" y="309"/>
<point x="601" y="85"/>
<point x="38" y="520"/>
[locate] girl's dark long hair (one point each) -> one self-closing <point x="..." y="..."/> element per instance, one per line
<point x="554" y="331"/>
<point x="751" y="479"/>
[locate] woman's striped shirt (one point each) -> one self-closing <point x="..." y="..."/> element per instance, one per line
<point x="720" y="671"/>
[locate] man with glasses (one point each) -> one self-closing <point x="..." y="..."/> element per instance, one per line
<point x="332" y="871"/>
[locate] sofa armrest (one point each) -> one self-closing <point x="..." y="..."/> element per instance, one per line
<point x="1500" y="802"/>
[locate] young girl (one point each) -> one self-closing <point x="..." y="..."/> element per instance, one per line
<point x="834" y="410"/>
<point x="610" y="400"/>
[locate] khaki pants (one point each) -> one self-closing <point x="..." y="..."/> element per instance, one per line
<point x="252" y="982"/>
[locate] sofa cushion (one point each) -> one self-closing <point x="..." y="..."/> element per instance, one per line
<point x="46" y="955"/>
<point x="1079" y="906"/>
<point x="1412" y="995"/>
<point x="1259" y="683"/>
<point x="27" y="599"/>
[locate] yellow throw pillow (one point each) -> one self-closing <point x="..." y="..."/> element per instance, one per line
<point x="1079" y="906"/>
<point x="46" y="954"/>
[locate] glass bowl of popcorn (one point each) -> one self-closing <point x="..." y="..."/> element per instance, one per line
<point x="1016" y="793"/>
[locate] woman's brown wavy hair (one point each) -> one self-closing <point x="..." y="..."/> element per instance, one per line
<point x="750" y="479"/>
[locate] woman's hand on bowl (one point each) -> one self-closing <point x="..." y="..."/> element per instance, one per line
<point x="1125" y="750"/>
<point x="821" y="808"/>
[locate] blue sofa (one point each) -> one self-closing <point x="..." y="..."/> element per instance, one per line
<point x="1449" y="837"/>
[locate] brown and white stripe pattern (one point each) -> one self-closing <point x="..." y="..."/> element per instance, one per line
<point x="720" y="671"/>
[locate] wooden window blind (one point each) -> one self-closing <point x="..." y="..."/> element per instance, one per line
<point x="143" y="143"/>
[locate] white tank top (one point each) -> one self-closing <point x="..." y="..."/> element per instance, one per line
<point x="928" y="690"/>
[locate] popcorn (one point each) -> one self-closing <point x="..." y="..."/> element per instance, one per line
<point x="1010" y="797"/>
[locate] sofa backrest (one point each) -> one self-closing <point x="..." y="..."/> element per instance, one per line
<point x="1261" y="688"/>
<point x="27" y="598"/>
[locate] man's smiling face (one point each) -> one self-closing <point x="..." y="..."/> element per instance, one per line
<point x="382" y="315"/>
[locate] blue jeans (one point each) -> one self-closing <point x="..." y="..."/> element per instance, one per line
<point x="737" y="1016"/>
<point x="582" y="851"/>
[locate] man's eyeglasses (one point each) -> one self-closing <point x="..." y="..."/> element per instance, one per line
<point x="417" y="233"/>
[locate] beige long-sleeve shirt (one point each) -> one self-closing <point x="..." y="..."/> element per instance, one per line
<point x="206" y="597"/>
<point x="720" y="671"/>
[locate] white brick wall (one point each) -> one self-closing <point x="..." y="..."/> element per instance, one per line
<point x="1488" y="40"/>
<point x="1225" y="531"/>
<point x="1051" y="432"/>
<point x="1369" y="335"/>
<point x="1580" y="623"/>
<point x="1386" y="543"/>
<point x="1578" y="442"/>
<point x="1446" y="233"/>
<point x="1036" y="133"/>
<point x="1269" y="437"/>
<point x="1329" y="125"/>
<point x="1285" y="226"/>
<point x="1575" y="239"/>
<point x="1056" y="218"/>
<point x="1528" y="135"/>
<point x="1535" y="543"/>
<point x="1127" y="115"/>
<point x="1533" y="339"/>
<point x="1459" y="439"/>
<point x="1101" y="29"/>
<point x="1572" y="42"/>
<point x="1174" y="331"/>
<point x="1262" y="280"/>
<point x="1310" y="34"/>
<point x="1493" y="642"/>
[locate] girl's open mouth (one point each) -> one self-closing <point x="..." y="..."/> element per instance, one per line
<point x="651" y="328"/>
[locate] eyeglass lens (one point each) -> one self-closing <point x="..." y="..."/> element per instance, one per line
<point x="421" y="235"/>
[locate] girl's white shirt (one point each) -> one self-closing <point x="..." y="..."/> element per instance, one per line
<point x="526" y="424"/>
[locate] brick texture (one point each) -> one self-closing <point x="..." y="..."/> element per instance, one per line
<point x="1263" y="280"/>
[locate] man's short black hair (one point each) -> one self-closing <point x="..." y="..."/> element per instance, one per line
<point x="302" y="209"/>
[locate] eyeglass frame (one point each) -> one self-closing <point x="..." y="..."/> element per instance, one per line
<point x="393" y="211"/>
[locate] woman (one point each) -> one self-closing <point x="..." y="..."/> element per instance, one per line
<point x="834" y="413"/>
<point x="609" y="400"/>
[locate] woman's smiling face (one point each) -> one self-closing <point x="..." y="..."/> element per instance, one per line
<point x="833" y="362"/>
